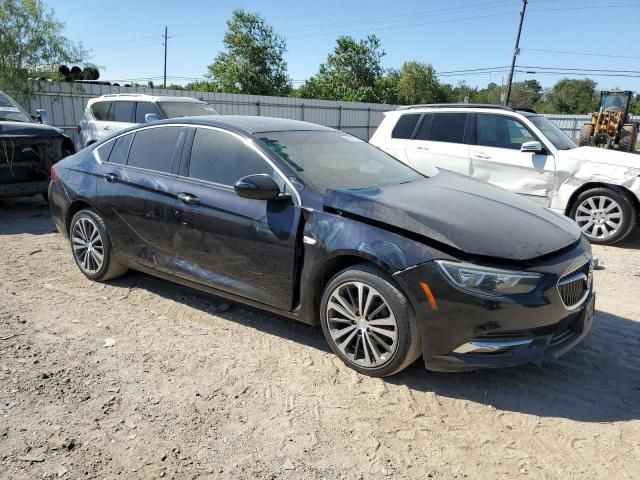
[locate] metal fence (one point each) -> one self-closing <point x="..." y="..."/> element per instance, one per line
<point x="66" y="103"/>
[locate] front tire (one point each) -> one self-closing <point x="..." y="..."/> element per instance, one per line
<point x="586" y="134"/>
<point x="368" y="322"/>
<point x="605" y="216"/>
<point x="91" y="247"/>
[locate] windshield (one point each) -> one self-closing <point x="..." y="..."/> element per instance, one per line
<point x="615" y="102"/>
<point x="186" y="109"/>
<point x="335" y="160"/>
<point x="11" y="111"/>
<point x="556" y="136"/>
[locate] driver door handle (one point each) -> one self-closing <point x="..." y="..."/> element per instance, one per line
<point x="420" y="147"/>
<point x="107" y="127"/>
<point x="481" y="155"/>
<point x="110" y="177"/>
<point x="188" y="198"/>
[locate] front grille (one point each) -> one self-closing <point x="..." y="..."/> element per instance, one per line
<point x="575" y="285"/>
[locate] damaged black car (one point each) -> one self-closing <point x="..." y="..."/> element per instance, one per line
<point x="27" y="150"/>
<point x="314" y="224"/>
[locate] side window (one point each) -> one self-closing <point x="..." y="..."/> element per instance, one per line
<point x="142" y="108"/>
<point x="123" y="112"/>
<point x="100" y="110"/>
<point x="121" y="149"/>
<point x="448" y="127"/>
<point x="222" y="158"/>
<point x="500" y="131"/>
<point x="153" y="148"/>
<point x="405" y="126"/>
<point x="104" y="150"/>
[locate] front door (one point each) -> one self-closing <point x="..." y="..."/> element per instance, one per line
<point x="243" y="246"/>
<point x="440" y="142"/>
<point x="496" y="158"/>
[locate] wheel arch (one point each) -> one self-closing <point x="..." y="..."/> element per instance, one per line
<point x="616" y="188"/>
<point x="74" y="208"/>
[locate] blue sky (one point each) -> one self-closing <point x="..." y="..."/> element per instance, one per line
<point x="125" y="36"/>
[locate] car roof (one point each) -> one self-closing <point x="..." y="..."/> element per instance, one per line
<point x="461" y="107"/>
<point x="143" y="97"/>
<point x="250" y="124"/>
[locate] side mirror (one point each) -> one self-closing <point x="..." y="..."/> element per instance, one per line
<point x="42" y="116"/>
<point x="531" y="147"/>
<point x="259" y="187"/>
<point x="151" y="117"/>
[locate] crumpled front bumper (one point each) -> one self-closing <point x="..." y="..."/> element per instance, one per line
<point x="463" y="331"/>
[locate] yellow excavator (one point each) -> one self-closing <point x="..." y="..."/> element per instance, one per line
<point x="611" y="125"/>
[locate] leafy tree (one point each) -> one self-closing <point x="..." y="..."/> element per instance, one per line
<point x="32" y="45"/>
<point x="253" y="62"/>
<point x="571" y="96"/>
<point x="387" y="87"/>
<point x="352" y="72"/>
<point x="418" y="84"/>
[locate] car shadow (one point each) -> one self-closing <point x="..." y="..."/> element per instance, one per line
<point x="598" y="381"/>
<point x="632" y="241"/>
<point x="25" y="215"/>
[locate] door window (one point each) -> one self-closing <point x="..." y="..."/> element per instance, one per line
<point x="500" y="131"/>
<point x="120" y="149"/>
<point x="100" y="111"/>
<point x="448" y="127"/>
<point x="405" y="126"/>
<point x="104" y="150"/>
<point x="153" y="148"/>
<point x="222" y="158"/>
<point x="142" y="109"/>
<point x="123" y="112"/>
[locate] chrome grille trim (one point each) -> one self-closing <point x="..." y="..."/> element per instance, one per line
<point x="575" y="286"/>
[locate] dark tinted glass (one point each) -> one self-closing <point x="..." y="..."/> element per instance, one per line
<point x="448" y="127"/>
<point x="501" y="132"/>
<point x="424" y="130"/>
<point x="405" y="126"/>
<point x="222" y="158"/>
<point x="101" y="110"/>
<point x="121" y="149"/>
<point x="104" y="150"/>
<point x="142" y="109"/>
<point x="153" y="148"/>
<point x="123" y="112"/>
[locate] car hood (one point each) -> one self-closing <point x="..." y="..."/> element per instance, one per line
<point x="461" y="213"/>
<point x="601" y="155"/>
<point x="23" y="129"/>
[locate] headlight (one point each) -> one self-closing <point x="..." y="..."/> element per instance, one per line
<point x="487" y="280"/>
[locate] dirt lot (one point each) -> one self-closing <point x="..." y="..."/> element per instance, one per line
<point x="191" y="390"/>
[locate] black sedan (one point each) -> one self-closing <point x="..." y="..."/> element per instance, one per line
<point x="314" y="224"/>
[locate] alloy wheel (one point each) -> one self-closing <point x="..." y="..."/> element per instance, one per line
<point x="362" y="324"/>
<point x="599" y="217"/>
<point x="88" y="246"/>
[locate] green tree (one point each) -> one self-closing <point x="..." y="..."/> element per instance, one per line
<point x="571" y="96"/>
<point x="352" y="72"/>
<point x="387" y="87"/>
<point x="32" y="45"/>
<point x="253" y="62"/>
<point x="418" y="84"/>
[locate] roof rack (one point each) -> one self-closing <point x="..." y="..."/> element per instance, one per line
<point x="458" y="105"/>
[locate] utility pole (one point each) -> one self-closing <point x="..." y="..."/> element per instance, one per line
<point x="165" y="58"/>
<point x="516" y="51"/>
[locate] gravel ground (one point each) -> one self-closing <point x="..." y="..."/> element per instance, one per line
<point x="140" y="378"/>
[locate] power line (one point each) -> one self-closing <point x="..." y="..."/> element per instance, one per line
<point x="565" y="52"/>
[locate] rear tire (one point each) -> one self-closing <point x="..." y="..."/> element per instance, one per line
<point x="91" y="247"/>
<point x="586" y="134"/>
<point x="376" y="333"/>
<point x="605" y="216"/>
<point x="627" y="138"/>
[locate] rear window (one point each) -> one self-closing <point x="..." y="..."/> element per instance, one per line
<point x="123" y="112"/>
<point x="104" y="150"/>
<point x="448" y="127"/>
<point x="405" y="126"/>
<point x="100" y="110"/>
<point x="153" y="148"/>
<point x="142" y="109"/>
<point x="120" y="149"/>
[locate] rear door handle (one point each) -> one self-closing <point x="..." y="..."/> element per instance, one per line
<point x="110" y="177"/>
<point x="481" y="155"/>
<point x="419" y="147"/>
<point x="107" y="127"/>
<point x="188" y="198"/>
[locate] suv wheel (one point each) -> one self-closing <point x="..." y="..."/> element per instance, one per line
<point x="91" y="247"/>
<point x="368" y="322"/>
<point x="604" y="215"/>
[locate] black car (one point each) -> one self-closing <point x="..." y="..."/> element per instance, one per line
<point x="314" y="224"/>
<point x="27" y="150"/>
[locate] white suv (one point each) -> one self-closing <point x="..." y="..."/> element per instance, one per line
<point x="111" y="113"/>
<point x="522" y="152"/>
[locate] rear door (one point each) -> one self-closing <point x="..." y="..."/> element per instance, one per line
<point x="243" y="246"/>
<point x="496" y="158"/>
<point x="99" y="127"/>
<point x="135" y="193"/>
<point x="439" y="141"/>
